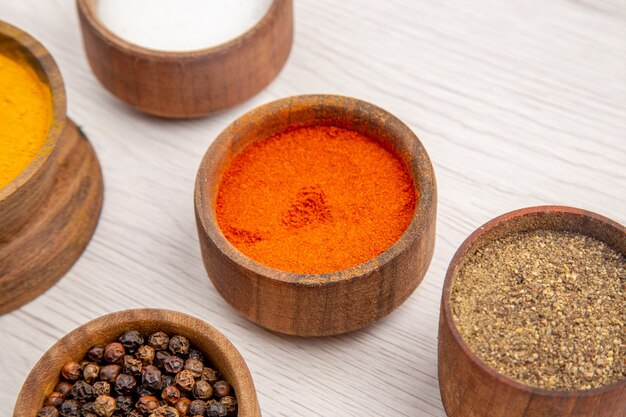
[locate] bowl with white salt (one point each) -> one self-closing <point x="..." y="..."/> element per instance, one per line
<point x="183" y="62"/>
<point x="533" y="317"/>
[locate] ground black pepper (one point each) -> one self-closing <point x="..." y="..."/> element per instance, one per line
<point x="546" y="308"/>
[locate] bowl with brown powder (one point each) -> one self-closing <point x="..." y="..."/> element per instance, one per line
<point x="316" y="214"/>
<point x="533" y="318"/>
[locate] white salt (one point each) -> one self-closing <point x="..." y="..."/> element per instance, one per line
<point x="180" y="25"/>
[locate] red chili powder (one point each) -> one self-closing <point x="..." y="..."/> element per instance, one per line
<point x="315" y="200"/>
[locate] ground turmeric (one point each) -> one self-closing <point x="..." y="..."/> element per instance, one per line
<point x="25" y="115"/>
<point x="315" y="200"/>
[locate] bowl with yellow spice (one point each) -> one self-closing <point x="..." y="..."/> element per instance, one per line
<point x="50" y="180"/>
<point x="316" y="214"/>
<point x="532" y="317"/>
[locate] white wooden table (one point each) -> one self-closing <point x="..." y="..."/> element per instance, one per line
<point x="519" y="103"/>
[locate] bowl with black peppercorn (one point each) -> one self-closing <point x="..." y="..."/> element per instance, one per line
<point x="140" y="363"/>
<point x="532" y="318"/>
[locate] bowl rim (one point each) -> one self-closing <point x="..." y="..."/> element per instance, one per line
<point x="223" y="345"/>
<point x="91" y="15"/>
<point x="446" y="309"/>
<point x="48" y="68"/>
<point x="423" y="178"/>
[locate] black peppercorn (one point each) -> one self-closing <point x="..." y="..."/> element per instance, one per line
<point x="151" y="377"/>
<point x="197" y="408"/>
<point x="91" y="370"/>
<point x="170" y="395"/>
<point x="145" y="354"/>
<point x="132" y="366"/>
<point x="230" y="403"/>
<point x="55" y="399"/>
<point x="104" y="406"/>
<point x="159" y="341"/>
<point x="124" y="404"/>
<point x="101" y="388"/>
<point x="48" y="411"/>
<point x="88" y="410"/>
<point x="70" y="408"/>
<point x="165" y="411"/>
<point x="185" y="380"/>
<point x="144" y="391"/>
<point x="182" y="406"/>
<point x="179" y="345"/>
<point x="95" y="354"/>
<point x="140" y="386"/>
<point x="216" y="410"/>
<point x="131" y="340"/>
<point x="160" y="356"/>
<point x="125" y="384"/>
<point x="147" y="404"/>
<point x="195" y="367"/>
<point x="63" y="387"/>
<point x="114" y="353"/>
<point x="167" y="381"/>
<point x="173" y="364"/>
<point x="195" y="354"/>
<point x="221" y="389"/>
<point x="72" y="371"/>
<point x="210" y="375"/>
<point x="202" y="390"/>
<point x="109" y="373"/>
<point x="81" y="391"/>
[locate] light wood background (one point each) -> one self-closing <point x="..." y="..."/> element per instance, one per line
<point x="519" y="103"/>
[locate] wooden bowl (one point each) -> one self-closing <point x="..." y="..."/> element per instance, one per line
<point x="311" y="304"/>
<point x="194" y="83"/>
<point x="49" y="212"/>
<point x="471" y="388"/>
<point x="24" y="195"/>
<point x="216" y="347"/>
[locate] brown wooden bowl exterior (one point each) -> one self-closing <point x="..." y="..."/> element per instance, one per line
<point x="217" y="348"/>
<point x="469" y="387"/>
<point x="47" y="246"/>
<point x="188" y="84"/>
<point x="310" y="304"/>
<point x="24" y="195"/>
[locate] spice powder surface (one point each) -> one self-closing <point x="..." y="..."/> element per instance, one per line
<point x="545" y="308"/>
<point x="315" y="200"/>
<point x="25" y="116"/>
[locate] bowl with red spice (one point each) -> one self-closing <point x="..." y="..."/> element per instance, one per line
<point x="144" y="362"/>
<point x="316" y="214"/>
<point x="532" y="317"/>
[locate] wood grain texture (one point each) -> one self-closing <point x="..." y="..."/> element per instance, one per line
<point x="471" y="388"/>
<point x="188" y="84"/>
<point x="22" y="197"/>
<point x="36" y="256"/>
<point x="519" y="103"/>
<point x="103" y="330"/>
<point x="317" y="304"/>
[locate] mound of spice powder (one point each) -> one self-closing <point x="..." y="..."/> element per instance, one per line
<point x="545" y="308"/>
<point x="25" y="115"/>
<point x="315" y="200"/>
